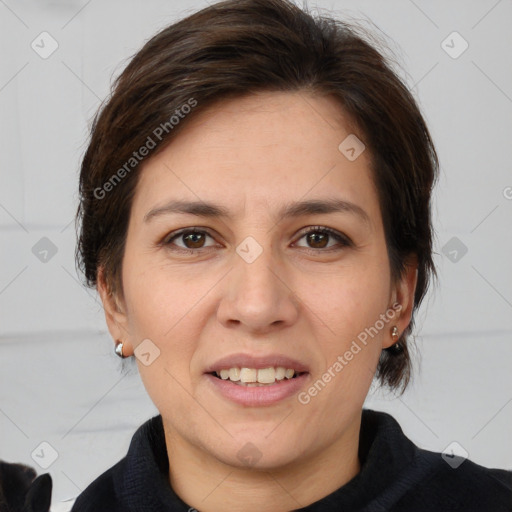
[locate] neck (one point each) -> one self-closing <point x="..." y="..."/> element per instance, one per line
<point x="207" y="484"/>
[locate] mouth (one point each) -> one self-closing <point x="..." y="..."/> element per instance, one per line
<point x="256" y="377"/>
<point x="253" y="381"/>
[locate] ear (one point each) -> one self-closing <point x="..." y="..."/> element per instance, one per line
<point x="402" y="293"/>
<point x="115" y="313"/>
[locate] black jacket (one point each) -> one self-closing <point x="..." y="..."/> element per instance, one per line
<point x="395" y="476"/>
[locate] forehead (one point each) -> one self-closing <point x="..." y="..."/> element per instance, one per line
<point x="260" y="151"/>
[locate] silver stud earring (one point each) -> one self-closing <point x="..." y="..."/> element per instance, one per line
<point x="397" y="348"/>
<point x="119" y="349"/>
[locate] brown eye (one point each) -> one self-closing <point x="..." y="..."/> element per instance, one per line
<point x="317" y="240"/>
<point x="318" y="237"/>
<point x="193" y="240"/>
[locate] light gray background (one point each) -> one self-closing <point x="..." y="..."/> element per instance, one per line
<point x="60" y="382"/>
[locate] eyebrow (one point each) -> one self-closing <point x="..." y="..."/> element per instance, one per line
<point x="291" y="210"/>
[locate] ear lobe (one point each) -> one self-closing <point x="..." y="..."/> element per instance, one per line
<point x="405" y="289"/>
<point x="115" y="316"/>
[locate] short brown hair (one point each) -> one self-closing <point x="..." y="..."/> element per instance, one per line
<point x="238" y="47"/>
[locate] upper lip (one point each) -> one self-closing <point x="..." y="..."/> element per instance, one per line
<point x="257" y="362"/>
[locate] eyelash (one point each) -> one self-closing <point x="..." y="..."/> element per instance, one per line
<point x="343" y="240"/>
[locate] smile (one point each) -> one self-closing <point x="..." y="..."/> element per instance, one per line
<point x="256" y="377"/>
<point x="249" y="392"/>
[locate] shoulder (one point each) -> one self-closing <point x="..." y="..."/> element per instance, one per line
<point x="467" y="487"/>
<point x="422" y="480"/>
<point x="100" y="495"/>
<point x="128" y="481"/>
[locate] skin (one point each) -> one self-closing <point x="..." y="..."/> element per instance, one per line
<point x="303" y="299"/>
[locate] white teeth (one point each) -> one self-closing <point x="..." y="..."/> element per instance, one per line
<point x="248" y="375"/>
<point x="280" y="373"/>
<point x="255" y="377"/>
<point x="266" y="376"/>
<point x="234" y="374"/>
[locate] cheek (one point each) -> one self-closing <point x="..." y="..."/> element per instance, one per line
<point x="158" y="297"/>
<point x="163" y="307"/>
<point x="350" y="299"/>
<point x="347" y="311"/>
<point x="165" y="310"/>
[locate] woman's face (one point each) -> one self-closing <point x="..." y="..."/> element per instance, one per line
<point x="252" y="290"/>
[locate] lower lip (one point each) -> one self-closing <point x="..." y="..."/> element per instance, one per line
<point x="257" y="396"/>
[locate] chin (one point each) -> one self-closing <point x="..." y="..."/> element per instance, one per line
<point x="256" y="449"/>
<point x="254" y="458"/>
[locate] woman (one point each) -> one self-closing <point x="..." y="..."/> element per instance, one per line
<point x="255" y="214"/>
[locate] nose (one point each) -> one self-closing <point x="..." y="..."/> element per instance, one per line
<point x="259" y="296"/>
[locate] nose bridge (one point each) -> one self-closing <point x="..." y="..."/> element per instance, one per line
<point x="254" y="276"/>
<point x="257" y="295"/>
